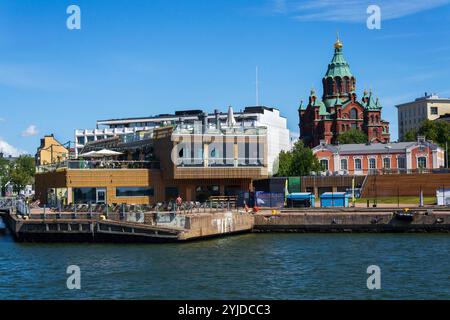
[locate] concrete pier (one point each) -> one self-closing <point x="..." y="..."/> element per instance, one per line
<point x="175" y="227"/>
<point x="352" y="220"/>
<point x="67" y="227"/>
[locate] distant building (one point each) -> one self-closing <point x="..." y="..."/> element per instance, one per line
<point x="9" y="157"/>
<point x="362" y="159"/>
<point x="339" y="110"/>
<point x="445" y="117"/>
<point x="50" y="151"/>
<point x="278" y="135"/>
<point x="412" y="114"/>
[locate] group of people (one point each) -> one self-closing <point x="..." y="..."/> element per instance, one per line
<point x="179" y="203"/>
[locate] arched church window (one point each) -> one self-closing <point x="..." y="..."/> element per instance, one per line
<point x="329" y="84"/>
<point x="338" y="85"/>
<point x="353" y="114"/>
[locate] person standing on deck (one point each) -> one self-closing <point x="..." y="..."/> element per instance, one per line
<point x="179" y="202"/>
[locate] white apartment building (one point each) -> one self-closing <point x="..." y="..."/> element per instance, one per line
<point x="412" y="114"/>
<point x="278" y="135"/>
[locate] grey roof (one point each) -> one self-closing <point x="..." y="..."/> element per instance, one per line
<point x="374" y="147"/>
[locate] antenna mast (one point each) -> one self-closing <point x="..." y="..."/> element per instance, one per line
<point x="257" y="87"/>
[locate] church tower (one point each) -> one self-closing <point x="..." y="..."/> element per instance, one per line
<point x="339" y="110"/>
<point x="338" y="81"/>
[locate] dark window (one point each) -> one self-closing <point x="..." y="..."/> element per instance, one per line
<point x="84" y="195"/>
<point x="171" y="193"/>
<point x="324" y="164"/>
<point x="401" y="162"/>
<point x="358" y="165"/>
<point x="422" y="162"/>
<point x="386" y="163"/>
<point x="134" y="192"/>
<point x="353" y="114"/>
<point x="214" y="190"/>
<point x="434" y="110"/>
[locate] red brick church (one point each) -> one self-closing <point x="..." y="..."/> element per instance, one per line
<point x="339" y="109"/>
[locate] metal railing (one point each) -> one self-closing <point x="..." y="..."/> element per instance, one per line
<point x="329" y="173"/>
<point x="220" y="162"/>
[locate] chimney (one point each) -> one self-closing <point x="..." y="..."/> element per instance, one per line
<point x="203" y="117"/>
<point x="216" y="114"/>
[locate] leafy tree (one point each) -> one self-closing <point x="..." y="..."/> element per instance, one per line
<point x="22" y="172"/>
<point x="352" y="136"/>
<point x="284" y="163"/>
<point x="438" y="131"/>
<point x="298" y="162"/>
<point x="411" y="135"/>
<point x="4" y="174"/>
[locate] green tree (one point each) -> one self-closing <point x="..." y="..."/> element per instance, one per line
<point x="352" y="136"/>
<point x="5" y="174"/>
<point x="411" y="135"/>
<point x="284" y="163"/>
<point x="438" y="131"/>
<point x="298" y="162"/>
<point x="22" y="172"/>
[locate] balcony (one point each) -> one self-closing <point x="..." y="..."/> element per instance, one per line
<point x="219" y="163"/>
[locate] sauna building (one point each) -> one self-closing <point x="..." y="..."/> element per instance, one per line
<point x="197" y="160"/>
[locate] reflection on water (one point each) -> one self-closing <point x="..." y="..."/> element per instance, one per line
<point x="259" y="266"/>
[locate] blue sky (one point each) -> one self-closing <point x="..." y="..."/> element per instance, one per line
<point x="137" y="58"/>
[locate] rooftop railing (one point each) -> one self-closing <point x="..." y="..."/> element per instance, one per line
<point x="224" y="130"/>
<point x="99" y="164"/>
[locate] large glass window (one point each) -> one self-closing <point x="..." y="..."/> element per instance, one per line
<point x="353" y="114"/>
<point x="358" y="164"/>
<point x="84" y="195"/>
<point x="171" y="193"/>
<point x="80" y="140"/>
<point x="372" y="163"/>
<point x="134" y="192"/>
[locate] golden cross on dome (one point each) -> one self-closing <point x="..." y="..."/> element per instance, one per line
<point x="338" y="44"/>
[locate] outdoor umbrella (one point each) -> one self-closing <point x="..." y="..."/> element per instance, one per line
<point x="108" y="153"/>
<point x="91" y="154"/>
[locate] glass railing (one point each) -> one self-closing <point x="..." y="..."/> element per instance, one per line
<point x="99" y="164"/>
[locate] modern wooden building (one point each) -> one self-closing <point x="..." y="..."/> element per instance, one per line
<point x="196" y="161"/>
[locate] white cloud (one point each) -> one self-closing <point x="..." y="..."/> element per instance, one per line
<point x="30" y="131"/>
<point x="353" y="10"/>
<point x="2" y="120"/>
<point x="9" y="150"/>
